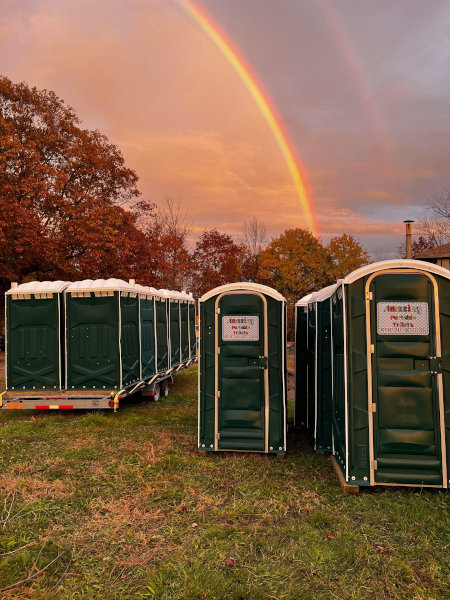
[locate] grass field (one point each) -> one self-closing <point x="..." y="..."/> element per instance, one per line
<point x="120" y="505"/>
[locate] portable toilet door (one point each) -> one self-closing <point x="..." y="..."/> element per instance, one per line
<point x="35" y="336"/>
<point x="397" y="342"/>
<point x="242" y="392"/>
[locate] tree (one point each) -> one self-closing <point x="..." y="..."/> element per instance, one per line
<point x="63" y="190"/>
<point x="253" y="241"/>
<point x="171" y="230"/>
<point x="434" y="225"/>
<point x="295" y="264"/>
<point x="216" y="261"/>
<point x="347" y="255"/>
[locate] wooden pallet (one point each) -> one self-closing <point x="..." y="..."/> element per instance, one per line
<point x="347" y="488"/>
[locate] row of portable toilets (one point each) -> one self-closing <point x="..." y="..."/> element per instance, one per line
<point x="372" y="362"/>
<point x="93" y="337"/>
<point x="372" y="372"/>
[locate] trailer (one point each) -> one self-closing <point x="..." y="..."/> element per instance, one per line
<point x="90" y="344"/>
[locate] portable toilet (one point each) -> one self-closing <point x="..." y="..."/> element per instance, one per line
<point x="390" y="346"/>
<point x="302" y="364"/>
<point x="192" y="331"/>
<point x="102" y="335"/>
<point x="175" y="328"/>
<point x="147" y="320"/>
<point x="184" y="327"/>
<point x="162" y="330"/>
<point x="242" y="370"/>
<point x="35" y="336"/>
<point x="313" y="394"/>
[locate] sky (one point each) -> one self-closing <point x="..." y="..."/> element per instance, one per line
<point x="362" y="89"/>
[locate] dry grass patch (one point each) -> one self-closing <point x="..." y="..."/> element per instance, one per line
<point x="128" y="529"/>
<point x="31" y="489"/>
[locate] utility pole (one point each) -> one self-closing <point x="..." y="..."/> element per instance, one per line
<point x="408" y="238"/>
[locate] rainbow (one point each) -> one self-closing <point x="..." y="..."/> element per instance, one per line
<point x="263" y="102"/>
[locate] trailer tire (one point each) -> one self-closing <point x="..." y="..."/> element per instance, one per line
<point x="156" y="392"/>
<point x="165" y="388"/>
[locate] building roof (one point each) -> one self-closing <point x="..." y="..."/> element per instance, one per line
<point x="438" y="252"/>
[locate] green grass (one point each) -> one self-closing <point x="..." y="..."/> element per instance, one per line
<point x="106" y="506"/>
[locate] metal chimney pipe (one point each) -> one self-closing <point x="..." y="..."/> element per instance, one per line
<point x="408" y="238"/>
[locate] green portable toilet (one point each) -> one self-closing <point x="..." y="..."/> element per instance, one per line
<point x="102" y="335"/>
<point x="35" y="336"/>
<point x="242" y="391"/>
<point x="313" y="392"/>
<point x="390" y="330"/>
<point x="302" y="364"/>
<point x="147" y="319"/>
<point x="184" y="328"/>
<point x="162" y="331"/>
<point x="192" y="330"/>
<point x="174" y="329"/>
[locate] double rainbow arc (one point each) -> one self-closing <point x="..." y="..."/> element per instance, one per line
<point x="262" y="100"/>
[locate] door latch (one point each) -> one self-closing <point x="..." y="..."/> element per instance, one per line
<point x="436" y="364"/>
<point x="260" y="362"/>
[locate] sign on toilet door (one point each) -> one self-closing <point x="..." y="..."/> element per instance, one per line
<point x="241" y="328"/>
<point x="402" y="318"/>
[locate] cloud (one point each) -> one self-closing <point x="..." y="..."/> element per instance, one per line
<point x="147" y="76"/>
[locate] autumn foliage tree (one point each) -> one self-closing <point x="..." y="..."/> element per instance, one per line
<point x="346" y="254"/>
<point x="216" y="260"/>
<point x="296" y="263"/>
<point x="63" y="190"/>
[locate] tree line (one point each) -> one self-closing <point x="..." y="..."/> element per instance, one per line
<point x="71" y="209"/>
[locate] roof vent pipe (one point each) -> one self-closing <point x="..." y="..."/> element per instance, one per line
<point x="408" y="238"/>
<point x="13" y="284"/>
<point x="132" y="281"/>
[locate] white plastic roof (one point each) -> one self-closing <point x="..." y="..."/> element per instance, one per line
<point x="244" y="286"/>
<point x="396" y="264"/>
<point x="96" y="285"/>
<point x="305" y="300"/>
<point x="39" y="287"/>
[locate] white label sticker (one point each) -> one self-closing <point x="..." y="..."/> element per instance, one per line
<point x="402" y="318"/>
<point x="241" y="328"/>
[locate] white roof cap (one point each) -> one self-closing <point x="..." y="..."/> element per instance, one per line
<point x="399" y="263"/>
<point x="243" y="286"/>
<point x="39" y="287"/>
<point x="325" y="292"/>
<point x="93" y="285"/>
<point x="305" y="300"/>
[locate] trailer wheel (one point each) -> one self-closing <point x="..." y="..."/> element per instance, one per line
<point x="156" y="392"/>
<point x="165" y="388"/>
